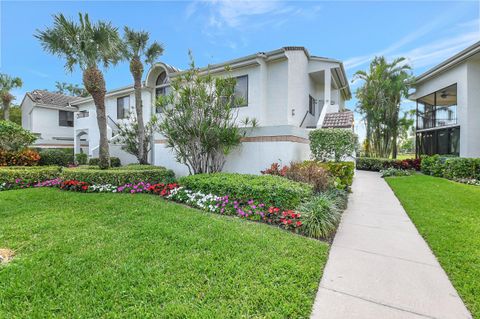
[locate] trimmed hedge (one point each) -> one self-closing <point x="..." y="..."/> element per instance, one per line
<point x="458" y="168"/>
<point x="271" y="190"/>
<point x="451" y="167"/>
<point x="28" y="175"/>
<point x="55" y="156"/>
<point x="114" y="161"/>
<point x="378" y="164"/>
<point x="118" y="177"/>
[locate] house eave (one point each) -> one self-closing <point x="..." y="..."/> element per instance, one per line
<point x="449" y="63"/>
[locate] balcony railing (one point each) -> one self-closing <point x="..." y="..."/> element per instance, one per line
<point x="438" y="118"/>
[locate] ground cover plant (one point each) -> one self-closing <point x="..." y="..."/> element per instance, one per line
<point x="105" y="255"/>
<point x="447" y="215"/>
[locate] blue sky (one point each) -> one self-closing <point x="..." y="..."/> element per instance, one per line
<point x="426" y="32"/>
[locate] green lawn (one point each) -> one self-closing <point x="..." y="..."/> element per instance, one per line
<point x="447" y="214"/>
<point x="120" y="255"/>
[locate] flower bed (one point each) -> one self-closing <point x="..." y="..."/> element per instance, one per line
<point x="23" y="177"/>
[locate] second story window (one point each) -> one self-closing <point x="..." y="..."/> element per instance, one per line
<point x="65" y="118"/>
<point x="311" y="105"/>
<point x="161" y="87"/>
<point x="82" y="114"/>
<point x="241" y="90"/>
<point x="123" y="107"/>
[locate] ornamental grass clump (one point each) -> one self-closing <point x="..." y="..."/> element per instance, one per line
<point x="320" y="217"/>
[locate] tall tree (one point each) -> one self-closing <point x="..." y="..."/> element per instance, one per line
<point x="87" y="45"/>
<point x="200" y="122"/>
<point x="70" y="89"/>
<point x="137" y="52"/>
<point x="379" y="101"/>
<point x="7" y="83"/>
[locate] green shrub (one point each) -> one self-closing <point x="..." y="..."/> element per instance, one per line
<point x="373" y="164"/>
<point x="28" y="175"/>
<point x="114" y="162"/>
<point x="25" y="157"/>
<point x="14" y="137"/>
<point x="271" y="190"/>
<point x="320" y="217"/>
<point x="56" y="157"/>
<point x="118" y="177"/>
<point x="395" y="172"/>
<point x="81" y="158"/>
<point x="332" y="144"/>
<point x="462" y="168"/>
<point x="139" y="167"/>
<point x="433" y="165"/>
<point x="338" y="196"/>
<point x="310" y="172"/>
<point x="342" y="172"/>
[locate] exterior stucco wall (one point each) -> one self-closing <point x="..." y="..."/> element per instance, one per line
<point x="277" y="93"/>
<point x="252" y="156"/>
<point x="458" y="75"/>
<point x="472" y="123"/>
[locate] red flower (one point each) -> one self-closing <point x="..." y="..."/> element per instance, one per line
<point x="299" y="223"/>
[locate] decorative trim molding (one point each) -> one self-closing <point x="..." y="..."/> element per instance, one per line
<point x="262" y="139"/>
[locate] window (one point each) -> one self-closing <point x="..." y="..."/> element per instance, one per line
<point x="241" y="90"/>
<point x="437" y="109"/>
<point x="123" y="107"/>
<point x="83" y="114"/>
<point x="65" y="118"/>
<point x="311" y="105"/>
<point x="161" y="79"/>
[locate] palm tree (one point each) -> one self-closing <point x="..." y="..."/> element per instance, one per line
<point x="379" y="99"/>
<point x="86" y="45"/>
<point x="135" y="50"/>
<point x="7" y="83"/>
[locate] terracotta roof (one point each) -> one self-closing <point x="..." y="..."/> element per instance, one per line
<point x="50" y="98"/>
<point x="338" y="120"/>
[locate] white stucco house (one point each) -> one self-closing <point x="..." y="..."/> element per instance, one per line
<point x="288" y="91"/>
<point x="448" y="106"/>
<point x="50" y="116"/>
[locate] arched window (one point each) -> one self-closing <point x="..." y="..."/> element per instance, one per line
<point x="161" y="87"/>
<point x="161" y="79"/>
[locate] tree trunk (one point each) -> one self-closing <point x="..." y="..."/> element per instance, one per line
<point x="6" y="110"/>
<point x="136" y="68"/>
<point x="94" y="83"/>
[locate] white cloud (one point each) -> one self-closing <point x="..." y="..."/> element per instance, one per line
<point x="430" y="52"/>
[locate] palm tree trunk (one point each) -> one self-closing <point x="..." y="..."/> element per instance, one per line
<point x="136" y="68"/>
<point x="94" y="83"/>
<point x="6" y="110"/>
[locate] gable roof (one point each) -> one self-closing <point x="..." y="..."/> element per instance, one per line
<point x="338" y="120"/>
<point x="44" y="97"/>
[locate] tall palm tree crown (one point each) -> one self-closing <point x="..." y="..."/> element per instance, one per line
<point x="7" y="83"/>
<point x="87" y="45"/>
<point x="135" y="49"/>
<point x="379" y="98"/>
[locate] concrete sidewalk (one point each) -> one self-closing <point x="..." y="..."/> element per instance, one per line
<point x="379" y="266"/>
